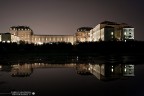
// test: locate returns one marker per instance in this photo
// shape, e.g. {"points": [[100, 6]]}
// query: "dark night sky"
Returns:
{"points": [[63, 17]]}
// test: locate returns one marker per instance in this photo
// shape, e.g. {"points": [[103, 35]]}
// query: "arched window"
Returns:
{"points": [[130, 29]]}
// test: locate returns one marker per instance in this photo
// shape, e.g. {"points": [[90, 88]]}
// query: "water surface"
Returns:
{"points": [[107, 79]]}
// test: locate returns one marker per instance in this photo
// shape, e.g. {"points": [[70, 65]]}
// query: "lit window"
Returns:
{"points": [[3, 41], [0, 66], [53, 39], [124, 33], [111, 69], [112, 33], [8, 41], [125, 69]]}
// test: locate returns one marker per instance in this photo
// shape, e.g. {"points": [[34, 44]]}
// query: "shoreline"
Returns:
{"points": [[65, 59]]}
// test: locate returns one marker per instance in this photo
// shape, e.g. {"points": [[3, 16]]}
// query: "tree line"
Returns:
{"points": [[81, 48]]}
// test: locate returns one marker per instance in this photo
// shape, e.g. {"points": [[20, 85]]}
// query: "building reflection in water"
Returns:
{"points": [[0, 67], [25, 70], [111, 72], [21, 70], [100, 71]]}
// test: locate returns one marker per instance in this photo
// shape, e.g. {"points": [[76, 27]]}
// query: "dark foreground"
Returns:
{"points": [[78, 49], [78, 70], [81, 78]]}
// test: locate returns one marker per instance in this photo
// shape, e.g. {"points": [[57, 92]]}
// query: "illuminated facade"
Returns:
{"points": [[26, 34], [109, 31], [105, 31], [40, 39], [83, 34], [7, 38]]}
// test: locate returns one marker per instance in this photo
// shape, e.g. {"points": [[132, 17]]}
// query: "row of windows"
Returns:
{"points": [[19, 29], [51, 39], [127, 30], [25, 36]]}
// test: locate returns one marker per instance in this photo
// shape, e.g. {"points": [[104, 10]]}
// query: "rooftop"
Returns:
{"points": [[82, 29], [109, 23], [20, 28]]}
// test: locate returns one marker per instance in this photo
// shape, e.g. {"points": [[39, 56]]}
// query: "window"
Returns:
{"points": [[53, 39], [42, 39], [124, 33], [112, 33], [124, 30], [129, 36]]}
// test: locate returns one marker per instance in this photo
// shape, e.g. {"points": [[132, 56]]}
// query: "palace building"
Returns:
{"points": [[26, 34], [107, 31], [104, 31], [83, 34]]}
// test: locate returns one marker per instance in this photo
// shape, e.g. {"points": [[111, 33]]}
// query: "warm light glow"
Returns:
{"points": [[112, 70], [39, 43], [8, 41], [77, 57], [3, 41], [124, 33], [0, 66], [125, 70]]}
